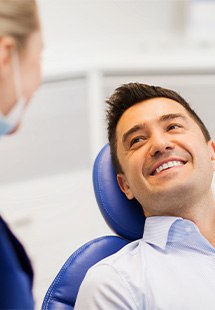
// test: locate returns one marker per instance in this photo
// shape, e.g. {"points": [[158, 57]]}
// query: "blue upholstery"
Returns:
{"points": [[123, 216], [63, 291]]}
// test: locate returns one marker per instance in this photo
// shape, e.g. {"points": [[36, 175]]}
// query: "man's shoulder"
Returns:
{"points": [[115, 280], [129, 254]]}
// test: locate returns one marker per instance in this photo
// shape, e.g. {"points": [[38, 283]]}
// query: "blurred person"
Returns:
{"points": [[165, 158], [20, 51]]}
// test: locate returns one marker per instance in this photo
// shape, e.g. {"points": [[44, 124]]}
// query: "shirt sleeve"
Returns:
{"points": [[103, 288]]}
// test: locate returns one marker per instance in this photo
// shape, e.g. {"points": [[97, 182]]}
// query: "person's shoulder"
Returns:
{"points": [[113, 281], [129, 254], [124, 264]]}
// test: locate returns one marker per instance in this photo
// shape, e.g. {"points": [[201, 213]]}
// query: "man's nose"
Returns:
{"points": [[160, 143]]}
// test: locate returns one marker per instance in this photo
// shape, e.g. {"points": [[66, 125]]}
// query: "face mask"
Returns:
{"points": [[9, 122]]}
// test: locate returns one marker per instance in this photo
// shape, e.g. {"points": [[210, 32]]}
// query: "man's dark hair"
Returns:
{"points": [[130, 94]]}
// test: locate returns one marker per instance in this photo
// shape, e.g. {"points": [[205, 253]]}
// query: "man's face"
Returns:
{"points": [[164, 156]]}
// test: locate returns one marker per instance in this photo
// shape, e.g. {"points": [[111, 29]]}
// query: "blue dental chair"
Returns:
{"points": [[125, 218]]}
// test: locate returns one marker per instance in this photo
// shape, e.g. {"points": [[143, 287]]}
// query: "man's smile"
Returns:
{"points": [[167, 165]]}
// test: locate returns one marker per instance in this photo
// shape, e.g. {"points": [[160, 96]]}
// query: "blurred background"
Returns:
{"points": [[92, 47]]}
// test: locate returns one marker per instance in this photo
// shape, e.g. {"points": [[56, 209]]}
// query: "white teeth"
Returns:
{"points": [[169, 165]]}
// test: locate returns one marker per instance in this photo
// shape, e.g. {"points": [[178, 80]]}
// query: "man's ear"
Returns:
{"points": [[124, 186], [211, 146]]}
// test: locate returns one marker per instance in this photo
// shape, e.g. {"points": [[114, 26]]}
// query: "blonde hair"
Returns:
{"points": [[18, 19]]}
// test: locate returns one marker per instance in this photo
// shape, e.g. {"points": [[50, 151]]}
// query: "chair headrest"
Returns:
{"points": [[124, 216]]}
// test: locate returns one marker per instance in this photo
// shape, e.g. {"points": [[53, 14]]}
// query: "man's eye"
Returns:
{"points": [[173, 126], [136, 140]]}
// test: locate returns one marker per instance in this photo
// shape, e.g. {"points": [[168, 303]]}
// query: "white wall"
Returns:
{"points": [[81, 30], [91, 23], [89, 27]]}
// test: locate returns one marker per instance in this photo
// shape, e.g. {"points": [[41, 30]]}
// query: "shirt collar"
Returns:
{"points": [[162, 229]]}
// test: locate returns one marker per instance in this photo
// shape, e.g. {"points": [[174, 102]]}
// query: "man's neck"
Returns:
{"points": [[199, 211], [205, 221], [203, 215]]}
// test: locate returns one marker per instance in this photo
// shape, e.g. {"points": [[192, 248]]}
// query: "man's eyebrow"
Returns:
{"points": [[171, 116], [131, 131], [138, 127]]}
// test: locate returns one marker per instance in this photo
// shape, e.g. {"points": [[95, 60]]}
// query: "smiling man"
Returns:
{"points": [[164, 157]]}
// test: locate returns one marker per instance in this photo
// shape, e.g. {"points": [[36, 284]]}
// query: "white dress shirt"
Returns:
{"points": [[171, 268]]}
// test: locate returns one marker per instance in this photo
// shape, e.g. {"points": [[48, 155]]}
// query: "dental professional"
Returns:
{"points": [[20, 51]]}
